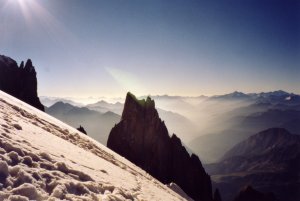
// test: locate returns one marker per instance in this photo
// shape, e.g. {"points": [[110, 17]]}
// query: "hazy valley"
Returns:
{"points": [[207, 125]]}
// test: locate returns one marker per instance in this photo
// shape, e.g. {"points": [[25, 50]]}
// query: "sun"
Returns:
{"points": [[21, 2]]}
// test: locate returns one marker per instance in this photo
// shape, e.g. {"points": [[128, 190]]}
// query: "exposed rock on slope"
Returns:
{"points": [[81, 129], [20, 82], [42, 158], [143, 138]]}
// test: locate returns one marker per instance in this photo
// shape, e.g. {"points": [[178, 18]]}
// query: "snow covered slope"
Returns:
{"points": [[42, 158]]}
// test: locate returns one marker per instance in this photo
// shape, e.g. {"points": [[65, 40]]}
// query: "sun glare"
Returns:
{"points": [[30, 9], [25, 7], [35, 15]]}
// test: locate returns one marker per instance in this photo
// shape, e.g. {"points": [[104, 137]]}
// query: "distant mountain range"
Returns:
{"points": [[176, 122], [241, 128], [96, 124], [103, 106], [255, 112], [49, 101], [269, 161], [279, 95], [210, 126]]}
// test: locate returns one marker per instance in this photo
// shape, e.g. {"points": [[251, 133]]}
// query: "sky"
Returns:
{"points": [[93, 48]]}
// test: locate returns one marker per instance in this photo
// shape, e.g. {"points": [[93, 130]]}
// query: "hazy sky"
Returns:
{"points": [[187, 47]]}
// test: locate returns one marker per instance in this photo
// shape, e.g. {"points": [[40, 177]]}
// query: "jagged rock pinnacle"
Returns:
{"points": [[143, 138], [20, 82]]}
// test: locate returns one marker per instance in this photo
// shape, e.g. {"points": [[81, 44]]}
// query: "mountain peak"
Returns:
{"points": [[61, 104], [7, 60], [142, 137], [264, 141], [20, 82], [135, 107], [148, 102], [236, 95], [102, 102]]}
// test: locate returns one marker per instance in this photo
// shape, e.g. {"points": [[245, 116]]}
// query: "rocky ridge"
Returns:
{"points": [[142, 137], [19, 81]]}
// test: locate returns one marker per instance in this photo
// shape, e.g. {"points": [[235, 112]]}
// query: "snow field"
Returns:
{"points": [[41, 158]]}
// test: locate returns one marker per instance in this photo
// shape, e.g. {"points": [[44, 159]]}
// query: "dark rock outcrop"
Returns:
{"points": [[20, 82], [217, 195], [81, 129], [143, 138], [250, 194]]}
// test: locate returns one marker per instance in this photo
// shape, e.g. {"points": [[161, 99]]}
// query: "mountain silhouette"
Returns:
{"points": [[19, 81], [142, 137]]}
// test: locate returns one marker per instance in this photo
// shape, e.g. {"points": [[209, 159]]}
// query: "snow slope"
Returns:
{"points": [[42, 158]]}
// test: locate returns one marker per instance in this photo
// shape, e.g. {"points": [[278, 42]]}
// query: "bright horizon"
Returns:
{"points": [[185, 48], [121, 99]]}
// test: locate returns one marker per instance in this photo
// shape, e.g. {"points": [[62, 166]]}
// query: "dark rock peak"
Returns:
{"points": [[4, 60], [81, 129], [22, 65], [29, 67], [142, 137], [217, 195], [20, 82], [134, 107], [175, 139], [250, 194], [195, 160]]}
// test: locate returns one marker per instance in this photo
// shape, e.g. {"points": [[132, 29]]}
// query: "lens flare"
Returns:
{"points": [[25, 8], [36, 17]]}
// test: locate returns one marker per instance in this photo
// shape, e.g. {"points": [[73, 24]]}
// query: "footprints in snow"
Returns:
{"points": [[38, 176]]}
